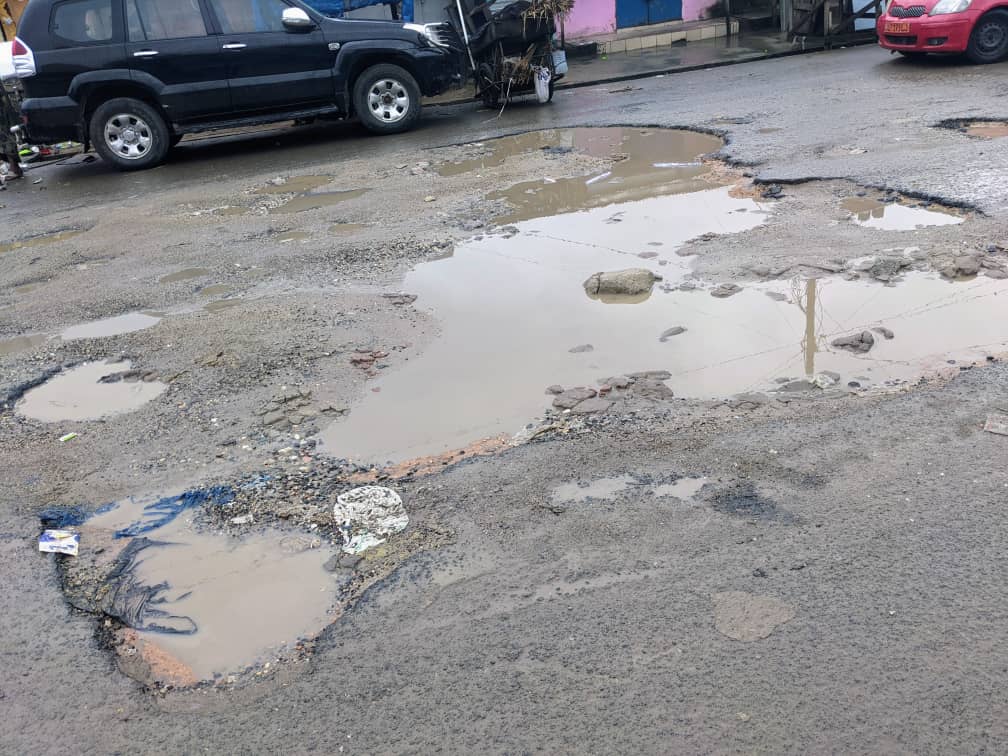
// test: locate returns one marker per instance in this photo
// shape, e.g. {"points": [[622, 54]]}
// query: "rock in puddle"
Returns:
{"points": [[630, 281], [669, 333], [722, 291], [858, 342], [572, 397]]}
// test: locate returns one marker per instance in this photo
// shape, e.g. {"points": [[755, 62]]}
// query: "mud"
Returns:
{"points": [[684, 488], [41, 240], [78, 394], [895, 216], [988, 129], [223, 304], [96, 329], [21, 343], [292, 236], [295, 184], [216, 290]]}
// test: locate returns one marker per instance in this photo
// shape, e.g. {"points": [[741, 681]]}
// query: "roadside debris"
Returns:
{"points": [[59, 542], [669, 333], [367, 514], [997, 424], [68, 437], [627, 282]]}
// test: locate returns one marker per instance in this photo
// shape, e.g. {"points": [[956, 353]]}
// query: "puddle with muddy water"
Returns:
{"points": [[185, 274], [892, 216], [988, 129], [684, 488], [603, 488], [295, 185], [316, 201], [36, 241], [229, 602], [642, 163], [222, 304], [292, 236], [79, 394], [96, 329], [21, 343]]}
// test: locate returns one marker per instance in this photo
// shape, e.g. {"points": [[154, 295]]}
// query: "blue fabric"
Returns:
{"points": [[167, 508]]}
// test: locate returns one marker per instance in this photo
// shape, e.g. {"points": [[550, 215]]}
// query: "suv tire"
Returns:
{"points": [[988, 42], [386, 99], [130, 134]]}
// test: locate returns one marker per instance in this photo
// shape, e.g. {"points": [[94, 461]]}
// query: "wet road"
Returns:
{"points": [[837, 586]]}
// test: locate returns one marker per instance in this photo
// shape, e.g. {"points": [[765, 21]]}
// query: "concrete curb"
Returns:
{"points": [[673, 70]]}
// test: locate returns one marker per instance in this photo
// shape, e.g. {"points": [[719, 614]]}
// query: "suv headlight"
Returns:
{"points": [[427, 31], [949, 6]]}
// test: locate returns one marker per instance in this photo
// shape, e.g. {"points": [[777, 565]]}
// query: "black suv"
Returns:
{"points": [[130, 77]]}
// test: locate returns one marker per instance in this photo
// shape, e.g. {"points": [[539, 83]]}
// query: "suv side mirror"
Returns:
{"points": [[296, 19]]}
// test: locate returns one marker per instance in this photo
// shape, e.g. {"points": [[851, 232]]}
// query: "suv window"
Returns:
{"points": [[246, 16], [83, 21], [164, 19]]}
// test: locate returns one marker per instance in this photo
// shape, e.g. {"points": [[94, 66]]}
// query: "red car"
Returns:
{"points": [[978, 28]]}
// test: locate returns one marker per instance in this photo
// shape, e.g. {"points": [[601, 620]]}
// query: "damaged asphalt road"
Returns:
{"points": [[744, 544]]}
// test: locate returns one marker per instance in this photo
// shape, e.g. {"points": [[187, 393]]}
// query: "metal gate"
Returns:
{"points": [[642, 12]]}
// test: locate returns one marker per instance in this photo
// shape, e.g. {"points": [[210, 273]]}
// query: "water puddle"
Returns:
{"points": [[36, 241], [892, 216], [295, 185], [222, 304], [80, 394], [292, 236], [21, 343], [96, 329], [644, 163], [684, 488], [185, 274], [317, 200], [515, 319], [214, 602], [216, 290], [988, 129], [578, 491], [346, 229]]}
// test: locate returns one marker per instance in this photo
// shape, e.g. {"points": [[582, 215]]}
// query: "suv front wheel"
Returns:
{"points": [[130, 134], [386, 99]]}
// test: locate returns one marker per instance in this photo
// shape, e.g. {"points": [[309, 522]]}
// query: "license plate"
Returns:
{"points": [[894, 28]]}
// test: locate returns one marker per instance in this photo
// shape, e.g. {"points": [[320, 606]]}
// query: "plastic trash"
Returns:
{"points": [[68, 437], [59, 542], [542, 82], [366, 515], [167, 508], [560, 62]]}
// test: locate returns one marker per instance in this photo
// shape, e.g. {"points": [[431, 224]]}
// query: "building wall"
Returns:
{"points": [[594, 17]]}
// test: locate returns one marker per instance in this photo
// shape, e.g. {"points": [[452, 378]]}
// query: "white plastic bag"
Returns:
{"points": [[542, 82]]}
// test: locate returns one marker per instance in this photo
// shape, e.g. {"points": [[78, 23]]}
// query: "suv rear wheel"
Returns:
{"points": [[130, 134], [386, 99]]}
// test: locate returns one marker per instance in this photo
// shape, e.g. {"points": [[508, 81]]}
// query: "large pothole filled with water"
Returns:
{"points": [[515, 317]]}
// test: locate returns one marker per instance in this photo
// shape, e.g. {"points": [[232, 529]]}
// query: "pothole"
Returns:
{"points": [[292, 236], [185, 274], [293, 185], [36, 241], [21, 343], [114, 326], [210, 604], [988, 129], [896, 216], [316, 201], [90, 391]]}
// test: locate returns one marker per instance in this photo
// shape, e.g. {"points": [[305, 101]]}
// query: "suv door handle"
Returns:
{"points": [[145, 53], [235, 46]]}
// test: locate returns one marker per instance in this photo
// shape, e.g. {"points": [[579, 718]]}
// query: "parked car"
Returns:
{"points": [[130, 77], [915, 28]]}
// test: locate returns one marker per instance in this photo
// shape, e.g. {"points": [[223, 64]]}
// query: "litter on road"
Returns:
{"points": [[59, 542]]}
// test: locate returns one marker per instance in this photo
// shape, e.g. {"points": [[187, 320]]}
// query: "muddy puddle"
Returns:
{"points": [[292, 236], [515, 319], [294, 185], [115, 326], [604, 488], [988, 129], [222, 304], [216, 290], [894, 216], [186, 274], [90, 391], [21, 343], [37, 241], [215, 603], [684, 488], [317, 200], [641, 163]]}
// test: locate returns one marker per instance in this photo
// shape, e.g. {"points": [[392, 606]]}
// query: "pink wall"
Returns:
{"points": [[591, 17]]}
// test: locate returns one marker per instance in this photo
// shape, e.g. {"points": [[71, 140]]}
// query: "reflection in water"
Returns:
{"points": [[892, 216]]}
